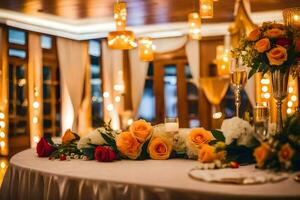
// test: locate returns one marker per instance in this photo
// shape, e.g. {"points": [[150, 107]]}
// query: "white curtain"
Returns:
{"points": [[193, 55], [139, 68], [73, 60], [112, 75]]}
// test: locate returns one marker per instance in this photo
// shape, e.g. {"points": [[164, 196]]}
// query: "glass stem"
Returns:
{"points": [[237, 99], [279, 125]]}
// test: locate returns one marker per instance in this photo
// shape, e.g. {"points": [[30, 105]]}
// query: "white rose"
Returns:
{"points": [[93, 137]]}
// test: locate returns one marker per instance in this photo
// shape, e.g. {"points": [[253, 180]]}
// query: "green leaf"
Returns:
{"points": [[218, 135], [89, 152], [252, 72], [109, 140]]}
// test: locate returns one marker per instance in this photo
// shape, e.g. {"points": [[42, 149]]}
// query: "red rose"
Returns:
{"points": [[43, 148], [105, 154], [283, 42]]}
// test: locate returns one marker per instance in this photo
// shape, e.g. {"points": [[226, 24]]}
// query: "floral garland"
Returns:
{"points": [[143, 141], [269, 47]]}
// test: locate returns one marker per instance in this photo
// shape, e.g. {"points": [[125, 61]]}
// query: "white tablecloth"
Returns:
{"points": [[33, 178]]}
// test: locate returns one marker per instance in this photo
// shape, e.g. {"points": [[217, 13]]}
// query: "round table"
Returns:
{"points": [[30, 177]]}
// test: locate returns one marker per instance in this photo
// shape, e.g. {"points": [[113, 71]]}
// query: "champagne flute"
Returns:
{"points": [[238, 75], [261, 121]]}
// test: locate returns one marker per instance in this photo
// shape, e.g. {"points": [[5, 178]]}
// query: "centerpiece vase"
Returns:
{"points": [[279, 86]]}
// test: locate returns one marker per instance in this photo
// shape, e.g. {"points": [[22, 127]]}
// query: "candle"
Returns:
{"points": [[172, 126]]}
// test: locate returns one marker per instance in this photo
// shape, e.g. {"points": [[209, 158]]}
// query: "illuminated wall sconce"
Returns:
{"points": [[194, 22], [146, 49], [291, 17], [206, 9]]}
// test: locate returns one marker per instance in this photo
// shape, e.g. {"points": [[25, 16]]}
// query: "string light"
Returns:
{"points": [[3, 165], [35, 104], [117, 99], [129, 121], [2, 115], [105, 94], [35, 119], [2, 124], [2, 134], [194, 22], [206, 9], [2, 144], [110, 107], [222, 58], [35, 139]]}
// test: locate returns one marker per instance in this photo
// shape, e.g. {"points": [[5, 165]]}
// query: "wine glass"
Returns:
{"points": [[238, 75], [261, 121], [171, 125]]}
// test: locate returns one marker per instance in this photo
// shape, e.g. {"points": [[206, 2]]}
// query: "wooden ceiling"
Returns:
{"points": [[139, 11]]}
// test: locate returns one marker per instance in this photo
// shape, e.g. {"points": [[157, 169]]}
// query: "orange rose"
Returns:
{"points": [[68, 137], [128, 145], [207, 154], [262, 45], [141, 129], [261, 153], [286, 153], [254, 35], [274, 33], [199, 136], [160, 148], [277, 55], [297, 45]]}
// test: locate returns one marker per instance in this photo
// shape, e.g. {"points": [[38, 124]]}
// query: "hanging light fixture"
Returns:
{"points": [[194, 26], [146, 49], [121, 38], [206, 9]]}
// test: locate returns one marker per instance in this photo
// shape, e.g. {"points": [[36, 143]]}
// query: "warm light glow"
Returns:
{"points": [[35, 119], [206, 9], [289, 111], [294, 98], [146, 48], [2, 124], [110, 107], [2, 134], [120, 15], [223, 57], [291, 17], [36, 139], [121, 40], [264, 88], [194, 26], [217, 115], [290, 104], [3, 165], [2, 115], [117, 99], [35, 104], [105, 94], [267, 95], [291, 89], [129, 122], [2, 144], [119, 87]]}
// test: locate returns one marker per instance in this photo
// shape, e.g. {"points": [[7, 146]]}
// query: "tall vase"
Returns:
{"points": [[279, 85]]}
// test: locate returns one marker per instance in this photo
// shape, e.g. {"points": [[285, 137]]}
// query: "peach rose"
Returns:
{"points": [[68, 137], [262, 45], [207, 154], [261, 153], [128, 145], [254, 35], [274, 33], [200, 136], [277, 55], [286, 153], [297, 45], [160, 148], [141, 129]]}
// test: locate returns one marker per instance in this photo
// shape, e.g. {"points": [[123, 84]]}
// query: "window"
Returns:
{"points": [[96, 82], [51, 88], [18, 86], [177, 98]]}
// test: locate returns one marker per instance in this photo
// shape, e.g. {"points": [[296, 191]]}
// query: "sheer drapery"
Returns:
{"points": [[112, 76], [35, 84], [73, 61], [139, 68], [139, 72]]}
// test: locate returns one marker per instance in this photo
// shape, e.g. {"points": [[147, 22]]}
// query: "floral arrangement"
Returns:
{"points": [[144, 141], [269, 47], [281, 151]]}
